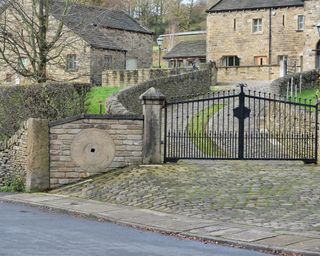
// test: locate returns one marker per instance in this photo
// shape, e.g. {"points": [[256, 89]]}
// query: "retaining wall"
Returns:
{"points": [[308, 79], [184, 86], [242, 73], [126, 78]]}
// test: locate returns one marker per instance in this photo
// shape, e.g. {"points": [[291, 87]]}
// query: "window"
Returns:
{"points": [[234, 24], [283, 20], [260, 60], [107, 62], [257, 25], [23, 62], [72, 62], [172, 64], [301, 63], [231, 61], [8, 77], [300, 22]]}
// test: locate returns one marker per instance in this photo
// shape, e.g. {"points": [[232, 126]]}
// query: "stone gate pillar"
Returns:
{"points": [[38, 176], [152, 101]]}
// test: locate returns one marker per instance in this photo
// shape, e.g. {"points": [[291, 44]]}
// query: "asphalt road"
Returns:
{"points": [[29, 231]]}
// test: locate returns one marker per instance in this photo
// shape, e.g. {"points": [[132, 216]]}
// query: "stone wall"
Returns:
{"points": [[13, 155], [291, 122], [119, 78], [241, 73], [184, 86], [312, 13], [225, 40], [138, 45], [88, 145], [307, 80], [98, 64], [293, 114]]}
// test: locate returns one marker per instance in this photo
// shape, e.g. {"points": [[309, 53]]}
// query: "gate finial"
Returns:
{"points": [[242, 85]]}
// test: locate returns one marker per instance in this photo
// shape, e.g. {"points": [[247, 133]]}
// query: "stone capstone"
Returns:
{"points": [[93, 150]]}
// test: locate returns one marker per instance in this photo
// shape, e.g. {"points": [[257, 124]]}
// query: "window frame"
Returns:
{"points": [[8, 78], [257, 28], [107, 62], [74, 62], [263, 60], [226, 61], [23, 62], [301, 23]]}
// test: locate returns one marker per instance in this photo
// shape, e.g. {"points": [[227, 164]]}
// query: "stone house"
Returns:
{"points": [[187, 52], [102, 39], [171, 40], [255, 39]]}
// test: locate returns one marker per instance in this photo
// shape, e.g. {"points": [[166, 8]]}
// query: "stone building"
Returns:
{"points": [[171, 40], [102, 39], [185, 53], [263, 39]]}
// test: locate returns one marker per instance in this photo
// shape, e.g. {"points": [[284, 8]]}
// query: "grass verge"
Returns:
{"points": [[96, 95], [309, 94], [199, 124]]}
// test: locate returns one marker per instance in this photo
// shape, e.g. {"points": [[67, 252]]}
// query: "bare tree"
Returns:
{"points": [[30, 38]]}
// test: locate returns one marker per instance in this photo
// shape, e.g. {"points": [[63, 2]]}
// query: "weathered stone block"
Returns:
{"points": [[37, 166]]}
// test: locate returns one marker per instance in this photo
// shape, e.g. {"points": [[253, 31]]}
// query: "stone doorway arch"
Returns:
{"points": [[318, 56]]}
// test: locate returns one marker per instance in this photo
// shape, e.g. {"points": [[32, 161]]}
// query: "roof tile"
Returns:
{"points": [[234, 5]]}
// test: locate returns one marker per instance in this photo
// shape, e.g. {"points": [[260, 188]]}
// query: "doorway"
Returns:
{"points": [[318, 56], [132, 64], [283, 62]]}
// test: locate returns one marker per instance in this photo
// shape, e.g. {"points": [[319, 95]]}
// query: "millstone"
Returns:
{"points": [[93, 150]]}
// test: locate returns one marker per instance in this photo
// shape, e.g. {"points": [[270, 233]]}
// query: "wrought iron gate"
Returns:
{"points": [[238, 125]]}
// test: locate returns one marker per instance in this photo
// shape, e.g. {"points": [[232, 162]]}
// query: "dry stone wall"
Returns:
{"points": [[302, 119], [119, 78], [88, 145], [308, 79], [13, 155], [182, 86]]}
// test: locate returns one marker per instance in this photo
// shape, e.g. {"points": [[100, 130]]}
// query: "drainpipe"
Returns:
{"points": [[270, 36]]}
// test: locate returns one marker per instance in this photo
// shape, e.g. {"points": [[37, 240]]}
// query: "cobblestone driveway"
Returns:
{"points": [[278, 195]]}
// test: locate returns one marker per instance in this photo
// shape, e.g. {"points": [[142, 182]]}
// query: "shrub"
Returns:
{"points": [[51, 101], [13, 184]]}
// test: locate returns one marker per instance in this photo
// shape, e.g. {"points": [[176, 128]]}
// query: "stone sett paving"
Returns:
{"points": [[277, 195]]}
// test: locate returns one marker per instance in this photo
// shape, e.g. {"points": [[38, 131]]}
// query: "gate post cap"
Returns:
{"points": [[152, 94]]}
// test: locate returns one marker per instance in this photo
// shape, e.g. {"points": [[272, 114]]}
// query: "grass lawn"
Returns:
{"points": [[199, 124], [97, 94], [309, 94]]}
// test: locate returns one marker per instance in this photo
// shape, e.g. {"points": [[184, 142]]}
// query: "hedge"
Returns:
{"points": [[51, 101]]}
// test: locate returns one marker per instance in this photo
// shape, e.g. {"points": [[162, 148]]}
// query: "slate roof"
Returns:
{"points": [[236, 5], [88, 21], [107, 18], [187, 49]]}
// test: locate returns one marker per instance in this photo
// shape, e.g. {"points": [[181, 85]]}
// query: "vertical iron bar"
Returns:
{"points": [[316, 132], [172, 139], [182, 145], [165, 133], [241, 123]]}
